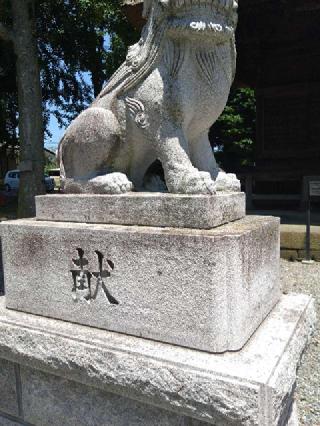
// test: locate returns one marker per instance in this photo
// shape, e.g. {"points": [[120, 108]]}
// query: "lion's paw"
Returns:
{"points": [[227, 182], [192, 182], [113, 183]]}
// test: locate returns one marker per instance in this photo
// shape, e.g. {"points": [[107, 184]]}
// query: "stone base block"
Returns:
{"points": [[145, 209], [208, 290], [69, 374]]}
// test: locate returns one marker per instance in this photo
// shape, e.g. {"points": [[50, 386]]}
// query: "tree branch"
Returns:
{"points": [[5, 33]]}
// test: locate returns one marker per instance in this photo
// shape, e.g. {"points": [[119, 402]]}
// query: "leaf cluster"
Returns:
{"points": [[81, 43], [233, 135]]}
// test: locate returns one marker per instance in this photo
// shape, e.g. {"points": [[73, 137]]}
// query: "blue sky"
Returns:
{"points": [[57, 133], [55, 130]]}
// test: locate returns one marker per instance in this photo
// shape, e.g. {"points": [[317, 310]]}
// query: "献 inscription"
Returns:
{"points": [[87, 283]]}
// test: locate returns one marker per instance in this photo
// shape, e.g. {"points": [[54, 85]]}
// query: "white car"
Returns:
{"points": [[12, 180]]}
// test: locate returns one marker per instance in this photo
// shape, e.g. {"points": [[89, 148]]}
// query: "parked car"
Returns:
{"points": [[55, 174], [12, 180]]}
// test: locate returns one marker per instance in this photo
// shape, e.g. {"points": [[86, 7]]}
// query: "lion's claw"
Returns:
{"points": [[227, 182], [192, 182]]}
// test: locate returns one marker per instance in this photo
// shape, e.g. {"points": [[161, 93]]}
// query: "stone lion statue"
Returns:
{"points": [[159, 105]]}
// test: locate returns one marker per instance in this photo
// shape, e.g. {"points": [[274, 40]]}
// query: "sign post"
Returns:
{"points": [[313, 191]]}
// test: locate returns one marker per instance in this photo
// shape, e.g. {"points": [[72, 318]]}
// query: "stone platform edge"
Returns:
{"points": [[249, 387], [143, 209]]}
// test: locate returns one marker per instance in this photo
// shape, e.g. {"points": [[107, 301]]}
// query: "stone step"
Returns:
{"points": [[69, 374]]}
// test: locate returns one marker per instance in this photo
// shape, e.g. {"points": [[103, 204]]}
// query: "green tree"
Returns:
{"points": [[67, 39], [233, 135], [72, 41], [17, 28]]}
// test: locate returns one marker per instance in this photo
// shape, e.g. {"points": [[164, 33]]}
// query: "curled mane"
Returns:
{"points": [[142, 56]]}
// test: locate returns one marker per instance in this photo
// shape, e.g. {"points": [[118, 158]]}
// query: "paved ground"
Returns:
{"points": [[298, 277]]}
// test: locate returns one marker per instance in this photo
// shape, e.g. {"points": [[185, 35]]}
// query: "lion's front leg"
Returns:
{"points": [[201, 154], [203, 158], [180, 175]]}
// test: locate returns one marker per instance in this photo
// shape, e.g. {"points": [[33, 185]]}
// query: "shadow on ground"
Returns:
{"points": [[8, 205]]}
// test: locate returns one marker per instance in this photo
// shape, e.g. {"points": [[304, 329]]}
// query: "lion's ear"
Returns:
{"points": [[146, 8]]}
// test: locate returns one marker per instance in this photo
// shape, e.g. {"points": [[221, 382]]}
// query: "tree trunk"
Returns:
{"points": [[30, 106]]}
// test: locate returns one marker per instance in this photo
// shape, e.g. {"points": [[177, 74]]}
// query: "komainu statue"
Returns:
{"points": [[159, 105]]}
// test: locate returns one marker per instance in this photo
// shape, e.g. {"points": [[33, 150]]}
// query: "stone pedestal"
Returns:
{"points": [[143, 208], [187, 323], [56, 373], [205, 289]]}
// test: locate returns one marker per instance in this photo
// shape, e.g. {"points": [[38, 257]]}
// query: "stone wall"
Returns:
{"points": [[31, 397], [57, 373], [293, 240]]}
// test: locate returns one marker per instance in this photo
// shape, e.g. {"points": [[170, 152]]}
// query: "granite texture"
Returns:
{"points": [[8, 394], [54, 401], [299, 277], [294, 417], [6, 421], [1, 271], [208, 290], [159, 106], [146, 209], [251, 387]]}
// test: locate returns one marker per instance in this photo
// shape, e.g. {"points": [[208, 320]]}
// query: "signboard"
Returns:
{"points": [[313, 183], [314, 188]]}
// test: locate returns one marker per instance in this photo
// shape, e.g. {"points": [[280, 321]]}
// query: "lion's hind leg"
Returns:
{"points": [[86, 154], [109, 183]]}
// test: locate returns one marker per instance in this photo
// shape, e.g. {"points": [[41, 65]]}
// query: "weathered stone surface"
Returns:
{"points": [[208, 290], [294, 416], [8, 394], [52, 401], [159, 105], [147, 209], [250, 387], [1, 271], [6, 421]]}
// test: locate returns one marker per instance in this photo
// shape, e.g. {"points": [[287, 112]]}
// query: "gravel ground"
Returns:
{"points": [[297, 277]]}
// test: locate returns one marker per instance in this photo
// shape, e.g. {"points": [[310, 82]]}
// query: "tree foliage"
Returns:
{"points": [[8, 91], [8, 119], [81, 43], [68, 39], [233, 135], [79, 38]]}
